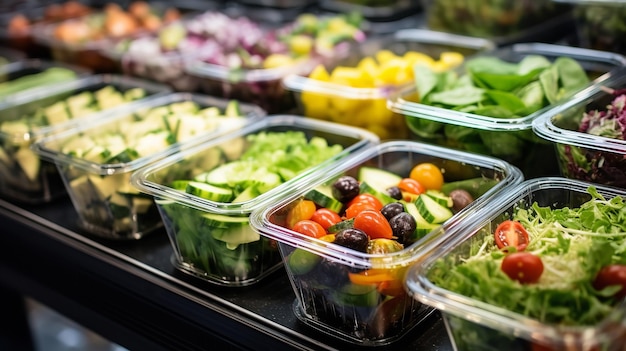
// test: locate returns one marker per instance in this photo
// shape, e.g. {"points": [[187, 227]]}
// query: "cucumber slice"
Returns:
{"points": [[248, 194], [227, 174], [209, 192], [423, 227], [440, 198], [322, 196], [431, 210], [366, 188], [378, 179], [345, 224], [225, 221]]}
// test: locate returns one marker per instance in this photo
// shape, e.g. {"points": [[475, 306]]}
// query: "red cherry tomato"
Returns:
{"points": [[522, 266], [357, 208], [411, 185], [374, 224], [511, 233], [369, 198], [611, 275], [325, 217], [309, 228]]}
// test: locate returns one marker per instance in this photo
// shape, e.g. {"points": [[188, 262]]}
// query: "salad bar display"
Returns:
{"points": [[307, 175]]}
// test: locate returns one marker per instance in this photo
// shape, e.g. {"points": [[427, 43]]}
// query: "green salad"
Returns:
{"points": [[564, 266]]}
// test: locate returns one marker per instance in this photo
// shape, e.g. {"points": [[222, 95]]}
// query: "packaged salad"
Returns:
{"points": [[589, 133], [541, 268]]}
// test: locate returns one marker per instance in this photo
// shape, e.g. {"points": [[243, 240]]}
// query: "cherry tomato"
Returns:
{"points": [[411, 185], [369, 198], [374, 224], [357, 208], [522, 266], [614, 274], [302, 210], [428, 175], [309, 228], [325, 217], [511, 233]]}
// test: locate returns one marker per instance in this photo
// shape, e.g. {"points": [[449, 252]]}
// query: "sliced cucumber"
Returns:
{"points": [[345, 224], [248, 194], [209, 192], [423, 227], [431, 210], [227, 174], [366, 188], [322, 196], [225, 221], [440, 197], [378, 179]]}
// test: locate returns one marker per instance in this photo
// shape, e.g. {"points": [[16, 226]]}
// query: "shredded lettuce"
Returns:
{"points": [[573, 243]]}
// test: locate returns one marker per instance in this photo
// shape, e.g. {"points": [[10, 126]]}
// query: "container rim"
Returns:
{"points": [[35, 94], [399, 104], [251, 112], [139, 179], [261, 223], [466, 308]]}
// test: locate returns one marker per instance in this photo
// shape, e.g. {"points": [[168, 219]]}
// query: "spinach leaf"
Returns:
{"points": [[571, 74], [459, 96], [507, 101], [425, 78], [533, 97], [549, 80]]}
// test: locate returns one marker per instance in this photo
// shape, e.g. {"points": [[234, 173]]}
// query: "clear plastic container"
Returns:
{"points": [[26, 118], [510, 139], [355, 295], [211, 236], [504, 22], [336, 100], [474, 324], [82, 40], [292, 48], [584, 156], [96, 160], [599, 24], [50, 73]]}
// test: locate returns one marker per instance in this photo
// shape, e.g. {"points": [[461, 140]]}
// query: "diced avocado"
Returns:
{"points": [[29, 162], [184, 107], [157, 112], [79, 101], [210, 112], [134, 94], [232, 109], [57, 113]]}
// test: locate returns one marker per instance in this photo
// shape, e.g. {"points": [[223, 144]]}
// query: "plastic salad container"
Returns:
{"points": [[600, 24], [589, 133], [461, 116], [96, 160], [354, 89], [82, 40], [16, 25], [503, 21], [253, 69], [351, 287], [33, 115], [563, 296], [206, 194], [32, 74]]}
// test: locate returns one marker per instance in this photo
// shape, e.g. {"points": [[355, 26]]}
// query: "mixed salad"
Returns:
{"points": [[597, 166], [560, 266], [376, 214]]}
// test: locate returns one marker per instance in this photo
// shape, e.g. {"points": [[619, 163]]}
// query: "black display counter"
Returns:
{"points": [[131, 294]]}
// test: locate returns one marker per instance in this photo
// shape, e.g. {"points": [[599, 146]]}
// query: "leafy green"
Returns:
{"points": [[573, 244]]}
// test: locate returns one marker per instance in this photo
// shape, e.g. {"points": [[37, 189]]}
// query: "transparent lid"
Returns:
{"points": [[554, 192], [154, 179], [616, 3], [560, 125], [391, 155], [424, 41], [596, 63], [29, 102], [120, 121]]}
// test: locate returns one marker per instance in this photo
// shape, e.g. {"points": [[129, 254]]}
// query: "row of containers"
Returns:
{"points": [[497, 198]]}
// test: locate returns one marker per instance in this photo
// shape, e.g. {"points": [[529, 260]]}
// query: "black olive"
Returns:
{"points": [[331, 273], [403, 226], [460, 199], [352, 238], [345, 188], [395, 192], [390, 210]]}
